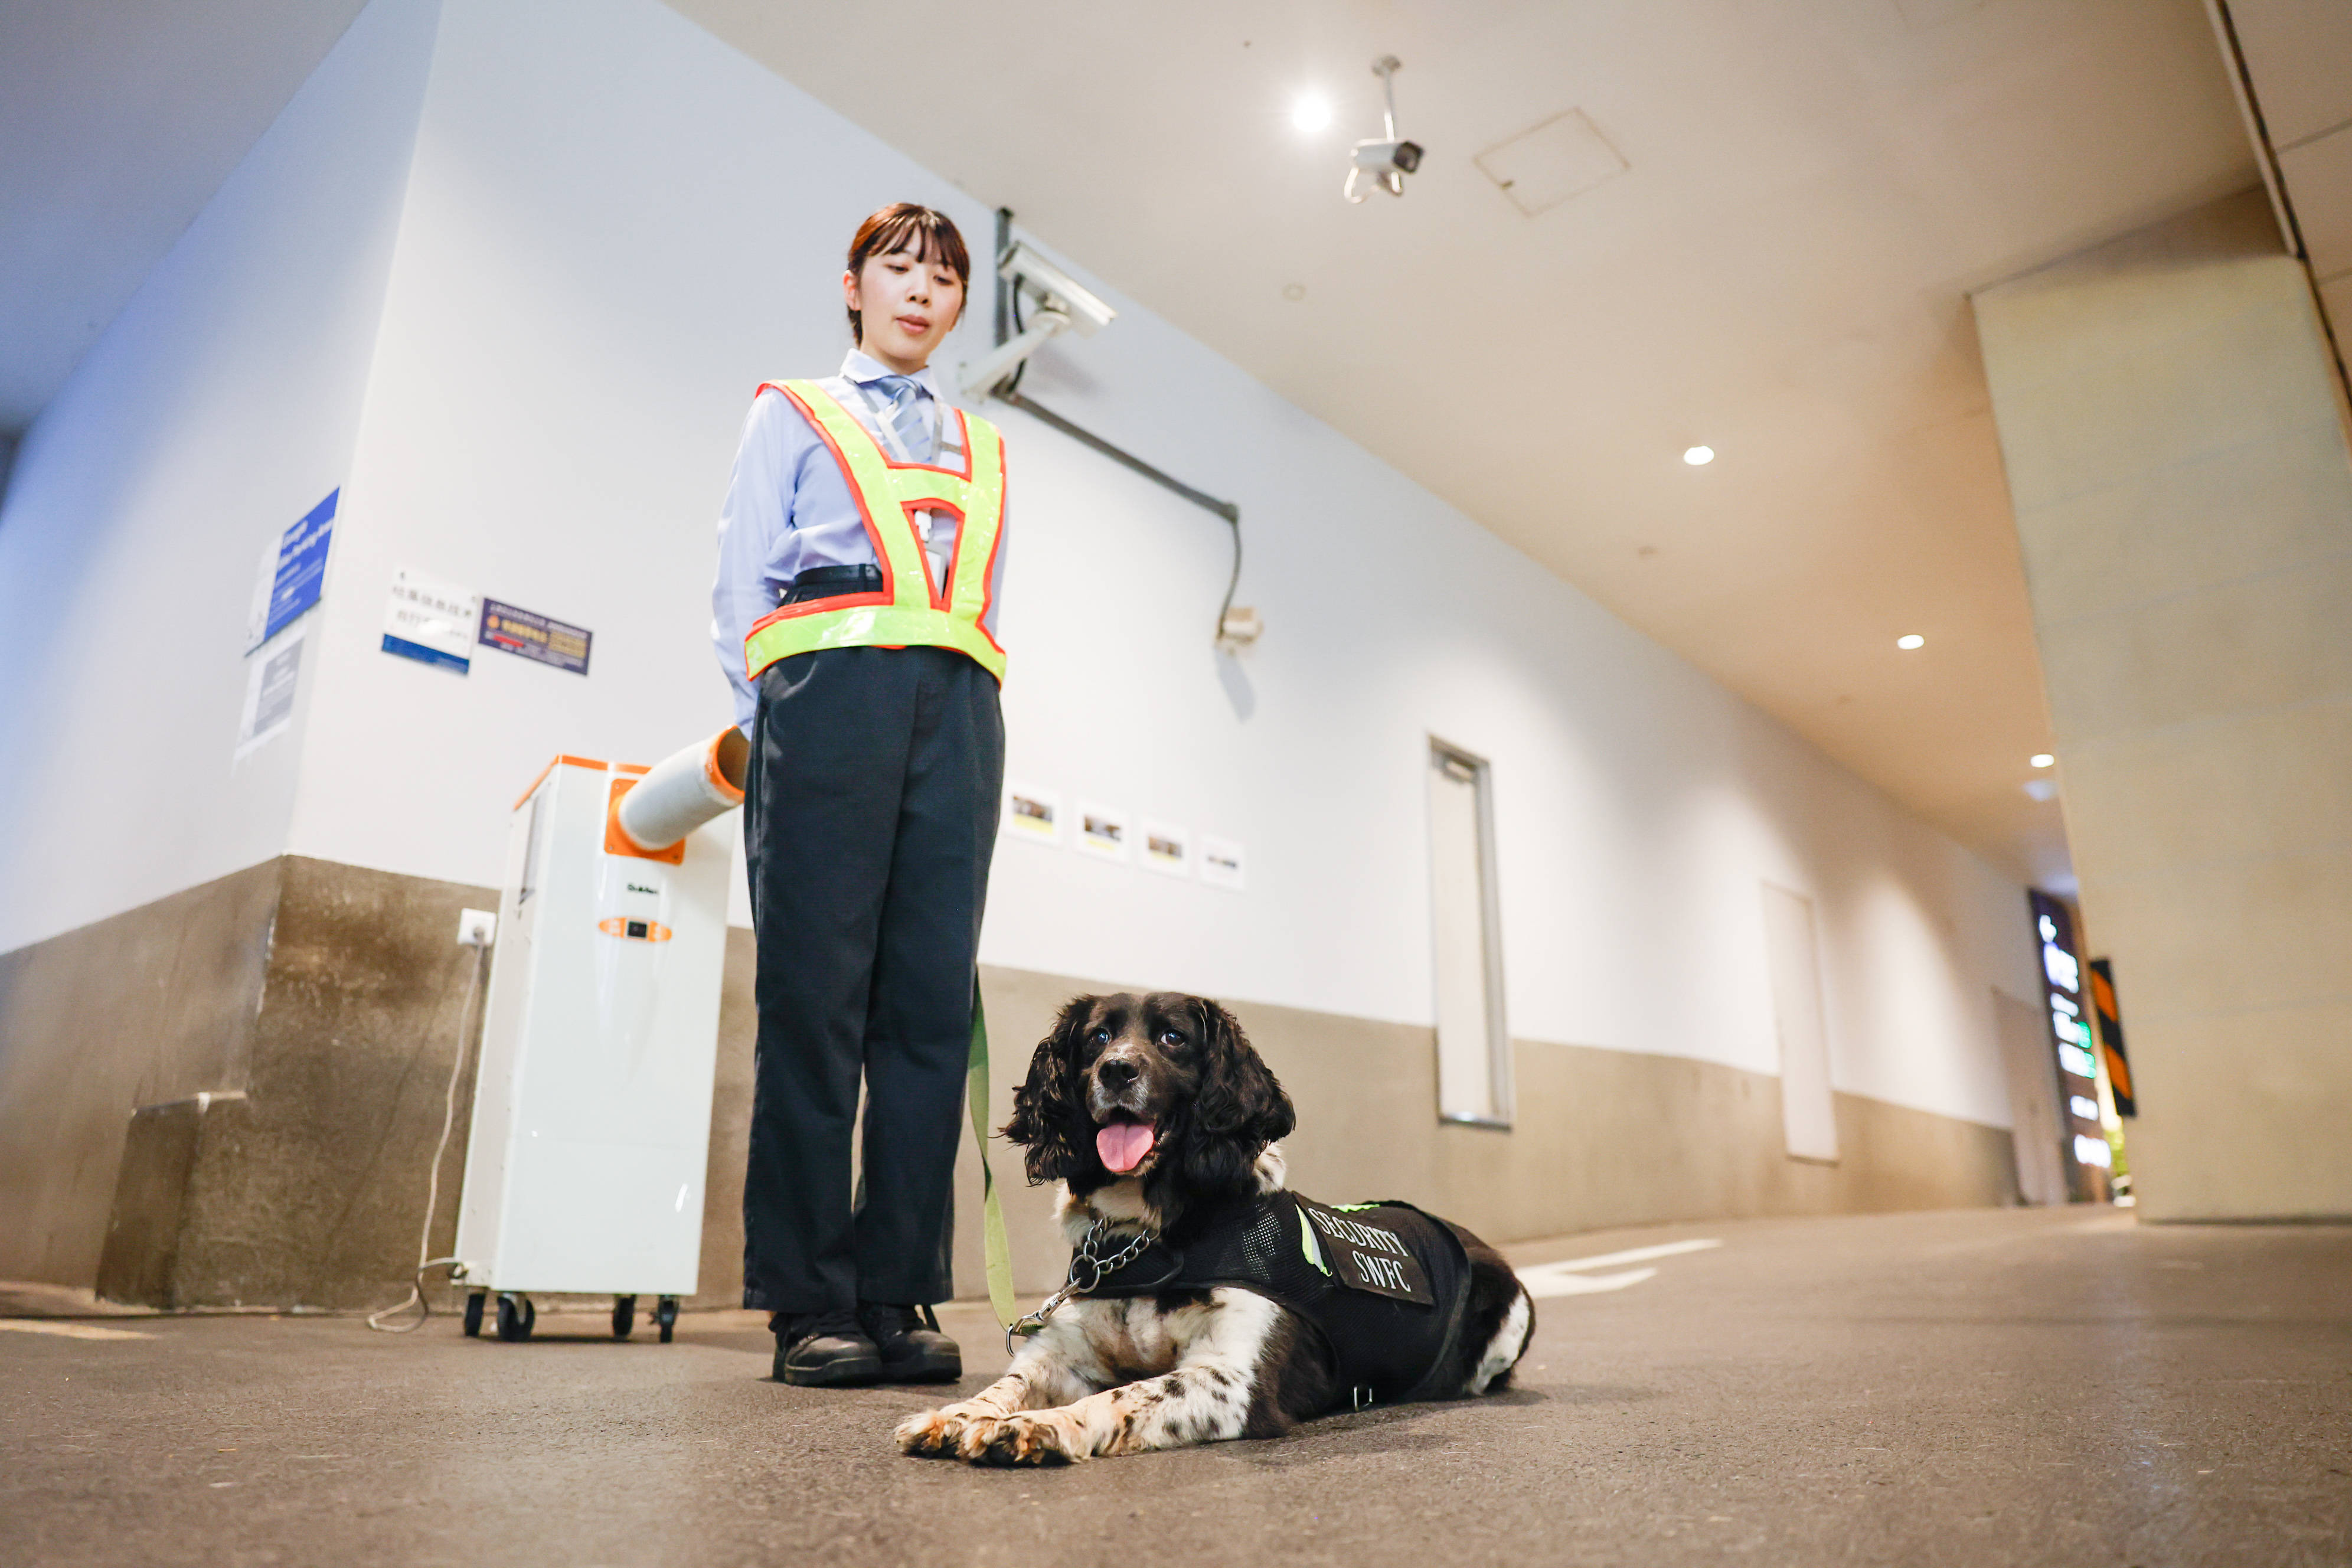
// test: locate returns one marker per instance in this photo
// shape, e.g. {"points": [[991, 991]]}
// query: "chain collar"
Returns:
{"points": [[1088, 1267]]}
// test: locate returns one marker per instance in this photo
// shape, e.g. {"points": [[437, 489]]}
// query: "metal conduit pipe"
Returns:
{"points": [[1233, 629]]}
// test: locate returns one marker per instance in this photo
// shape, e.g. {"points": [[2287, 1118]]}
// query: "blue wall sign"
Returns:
{"points": [[301, 575]]}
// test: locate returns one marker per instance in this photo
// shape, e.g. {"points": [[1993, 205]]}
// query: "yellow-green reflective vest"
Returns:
{"points": [[909, 611]]}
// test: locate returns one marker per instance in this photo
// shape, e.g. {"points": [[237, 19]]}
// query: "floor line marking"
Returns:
{"points": [[68, 1331], [1542, 1287], [1609, 1259]]}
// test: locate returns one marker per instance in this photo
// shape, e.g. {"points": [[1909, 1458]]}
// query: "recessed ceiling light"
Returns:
{"points": [[1913, 640], [1311, 113], [2042, 759], [1698, 457]]}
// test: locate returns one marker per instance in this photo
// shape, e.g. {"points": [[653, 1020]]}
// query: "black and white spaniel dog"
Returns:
{"points": [[1161, 1121]]}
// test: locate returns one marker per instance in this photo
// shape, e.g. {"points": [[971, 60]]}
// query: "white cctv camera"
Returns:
{"points": [[1388, 163], [1060, 303], [1055, 290], [1383, 162]]}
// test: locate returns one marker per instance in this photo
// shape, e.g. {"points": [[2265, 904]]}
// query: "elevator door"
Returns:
{"points": [[1808, 1111]]}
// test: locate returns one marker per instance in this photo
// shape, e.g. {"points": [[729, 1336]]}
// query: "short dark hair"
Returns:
{"points": [[904, 225]]}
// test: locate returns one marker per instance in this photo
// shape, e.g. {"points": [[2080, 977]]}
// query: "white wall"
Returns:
{"points": [[615, 226], [218, 408]]}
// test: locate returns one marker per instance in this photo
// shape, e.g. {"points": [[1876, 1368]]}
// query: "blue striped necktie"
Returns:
{"points": [[906, 417]]}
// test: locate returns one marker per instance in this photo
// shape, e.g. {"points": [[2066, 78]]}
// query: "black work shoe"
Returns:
{"points": [[823, 1350], [913, 1349]]}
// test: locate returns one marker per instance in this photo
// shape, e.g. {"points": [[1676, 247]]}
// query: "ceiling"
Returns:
{"points": [[121, 118], [1812, 188], [2294, 55]]}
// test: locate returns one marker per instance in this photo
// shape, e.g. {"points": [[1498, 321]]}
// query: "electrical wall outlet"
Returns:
{"points": [[476, 928]]}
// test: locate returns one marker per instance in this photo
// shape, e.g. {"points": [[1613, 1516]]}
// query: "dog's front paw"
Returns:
{"points": [[932, 1432], [1024, 1440]]}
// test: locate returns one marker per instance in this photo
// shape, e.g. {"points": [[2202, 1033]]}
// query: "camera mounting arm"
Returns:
{"points": [[980, 376], [1064, 304], [1383, 165]]}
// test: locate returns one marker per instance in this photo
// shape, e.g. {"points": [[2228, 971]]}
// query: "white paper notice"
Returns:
{"points": [[1221, 864], [264, 578], [269, 681], [431, 621], [1033, 814], [1106, 831], [1167, 848]]}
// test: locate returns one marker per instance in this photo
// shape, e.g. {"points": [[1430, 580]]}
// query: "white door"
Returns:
{"points": [[2034, 1128], [1473, 1050], [1807, 1111]]}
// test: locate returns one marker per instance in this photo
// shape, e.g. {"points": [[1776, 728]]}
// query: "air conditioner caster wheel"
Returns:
{"points": [[516, 1316], [473, 1300], [665, 1316], [625, 1316]]}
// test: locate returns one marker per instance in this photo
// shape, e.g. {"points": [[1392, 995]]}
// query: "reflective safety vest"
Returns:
{"points": [[910, 610]]}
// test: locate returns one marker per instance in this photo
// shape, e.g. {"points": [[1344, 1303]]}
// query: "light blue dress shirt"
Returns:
{"points": [[789, 509]]}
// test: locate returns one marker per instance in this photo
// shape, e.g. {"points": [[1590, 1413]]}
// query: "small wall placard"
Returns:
{"points": [[1167, 848], [431, 621], [1033, 814], [1222, 864], [529, 635], [1106, 831]]}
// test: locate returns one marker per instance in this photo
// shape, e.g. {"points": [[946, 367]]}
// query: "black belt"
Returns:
{"points": [[832, 582]]}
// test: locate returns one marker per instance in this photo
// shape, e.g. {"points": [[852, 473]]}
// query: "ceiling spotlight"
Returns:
{"points": [[1913, 640], [1698, 457], [1384, 164], [2042, 759], [1311, 113]]}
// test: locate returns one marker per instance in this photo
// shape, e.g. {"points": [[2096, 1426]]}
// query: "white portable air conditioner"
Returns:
{"points": [[592, 1104]]}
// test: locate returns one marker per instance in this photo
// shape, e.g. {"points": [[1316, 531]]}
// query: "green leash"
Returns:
{"points": [[992, 1211]]}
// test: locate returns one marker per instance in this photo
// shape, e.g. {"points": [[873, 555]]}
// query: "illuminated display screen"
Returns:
{"points": [[2066, 988]]}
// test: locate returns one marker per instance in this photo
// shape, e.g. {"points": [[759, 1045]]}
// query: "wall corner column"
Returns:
{"points": [[2167, 418]]}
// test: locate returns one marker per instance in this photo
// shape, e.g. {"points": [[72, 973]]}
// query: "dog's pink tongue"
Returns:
{"points": [[1123, 1145]]}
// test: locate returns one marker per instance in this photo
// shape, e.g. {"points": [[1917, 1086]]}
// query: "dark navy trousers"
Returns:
{"points": [[869, 818]]}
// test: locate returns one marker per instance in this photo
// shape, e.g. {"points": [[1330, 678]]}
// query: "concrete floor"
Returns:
{"points": [[1974, 1387]]}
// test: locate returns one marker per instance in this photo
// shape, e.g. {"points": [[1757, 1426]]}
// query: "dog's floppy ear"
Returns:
{"points": [[1239, 1109], [1045, 1109]]}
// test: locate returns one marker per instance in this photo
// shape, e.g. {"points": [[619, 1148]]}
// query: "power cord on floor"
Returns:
{"points": [[376, 1320]]}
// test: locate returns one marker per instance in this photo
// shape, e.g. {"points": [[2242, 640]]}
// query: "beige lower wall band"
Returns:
{"points": [[329, 996]]}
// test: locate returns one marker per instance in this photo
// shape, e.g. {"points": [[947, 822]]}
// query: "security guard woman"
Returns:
{"points": [[860, 555]]}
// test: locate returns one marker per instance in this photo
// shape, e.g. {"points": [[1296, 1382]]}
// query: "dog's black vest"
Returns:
{"points": [[1383, 1283]]}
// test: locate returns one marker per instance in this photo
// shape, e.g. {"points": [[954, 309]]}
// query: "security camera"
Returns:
{"points": [[1383, 162], [1055, 290], [1060, 303], [1388, 158]]}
